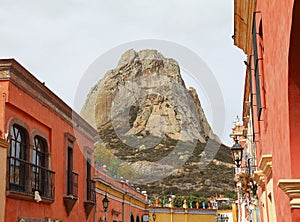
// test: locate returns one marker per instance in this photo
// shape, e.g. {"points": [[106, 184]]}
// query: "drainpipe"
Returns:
{"points": [[123, 206], [95, 207], [124, 186], [4, 115], [4, 145]]}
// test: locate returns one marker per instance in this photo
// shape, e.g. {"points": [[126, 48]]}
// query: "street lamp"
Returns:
{"points": [[154, 216], [237, 153], [105, 203]]}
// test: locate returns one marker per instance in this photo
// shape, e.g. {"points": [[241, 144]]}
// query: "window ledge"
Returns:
{"points": [[259, 178], [265, 164], [291, 187], [70, 196], [69, 201], [90, 202], [27, 196], [88, 206]]}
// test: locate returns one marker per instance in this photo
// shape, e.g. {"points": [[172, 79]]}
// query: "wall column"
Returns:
{"points": [[3, 158]]}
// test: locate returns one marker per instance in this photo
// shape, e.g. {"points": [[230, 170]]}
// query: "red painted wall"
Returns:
{"points": [[294, 97], [276, 23], [280, 121], [294, 92], [19, 105]]}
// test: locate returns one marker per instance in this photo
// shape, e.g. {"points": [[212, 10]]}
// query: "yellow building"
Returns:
{"points": [[227, 215], [125, 204], [166, 214]]}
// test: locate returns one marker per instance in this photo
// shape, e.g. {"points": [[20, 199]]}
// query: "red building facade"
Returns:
{"points": [[268, 32], [48, 172], [46, 159]]}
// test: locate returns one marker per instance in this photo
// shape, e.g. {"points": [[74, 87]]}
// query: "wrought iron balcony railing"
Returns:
{"points": [[72, 184], [91, 195], [27, 177]]}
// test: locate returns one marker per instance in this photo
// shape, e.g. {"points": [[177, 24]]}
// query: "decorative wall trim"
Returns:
{"points": [[107, 184], [259, 178], [291, 187], [167, 210], [295, 203], [27, 197], [121, 200], [4, 144], [14, 72], [265, 164]]}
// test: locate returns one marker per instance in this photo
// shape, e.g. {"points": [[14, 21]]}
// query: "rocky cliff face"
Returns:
{"points": [[151, 87], [144, 112]]}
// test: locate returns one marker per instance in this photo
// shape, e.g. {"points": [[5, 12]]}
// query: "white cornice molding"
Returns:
{"points": [[295, 203], [265, 164], [3, 143], [259, 178], [291, 187]]}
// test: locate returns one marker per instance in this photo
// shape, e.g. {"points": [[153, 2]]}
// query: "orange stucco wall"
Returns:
{"points": [[3, 154], [38, 118], [29, 103]]}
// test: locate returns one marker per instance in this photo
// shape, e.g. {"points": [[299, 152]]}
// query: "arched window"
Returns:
{"points": [[28, 168], [39, 151], [131, 218], [137, 219], [39, 164], [17, 158]]}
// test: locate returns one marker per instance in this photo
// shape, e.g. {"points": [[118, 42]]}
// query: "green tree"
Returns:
{"points": [[116, 167], [178, 201]]}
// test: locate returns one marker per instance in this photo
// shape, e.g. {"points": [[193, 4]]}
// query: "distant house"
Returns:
{"points": [[169, 214], [126, 203]]}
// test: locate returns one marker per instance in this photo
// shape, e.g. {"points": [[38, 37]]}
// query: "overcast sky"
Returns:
{"points": [[58, 40]]}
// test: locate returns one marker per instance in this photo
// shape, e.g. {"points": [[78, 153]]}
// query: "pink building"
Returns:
{"points": [[269, 32]]}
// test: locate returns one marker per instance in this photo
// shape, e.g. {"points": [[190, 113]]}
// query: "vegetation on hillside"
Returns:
{"points": [[115, 167], [216, 177]]}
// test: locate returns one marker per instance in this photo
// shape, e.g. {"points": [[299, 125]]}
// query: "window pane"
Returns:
{"points": [[18, 150], [18, 142], [38, 155], [17, 158], [34, 157], [12, 148], [39, 178]]}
